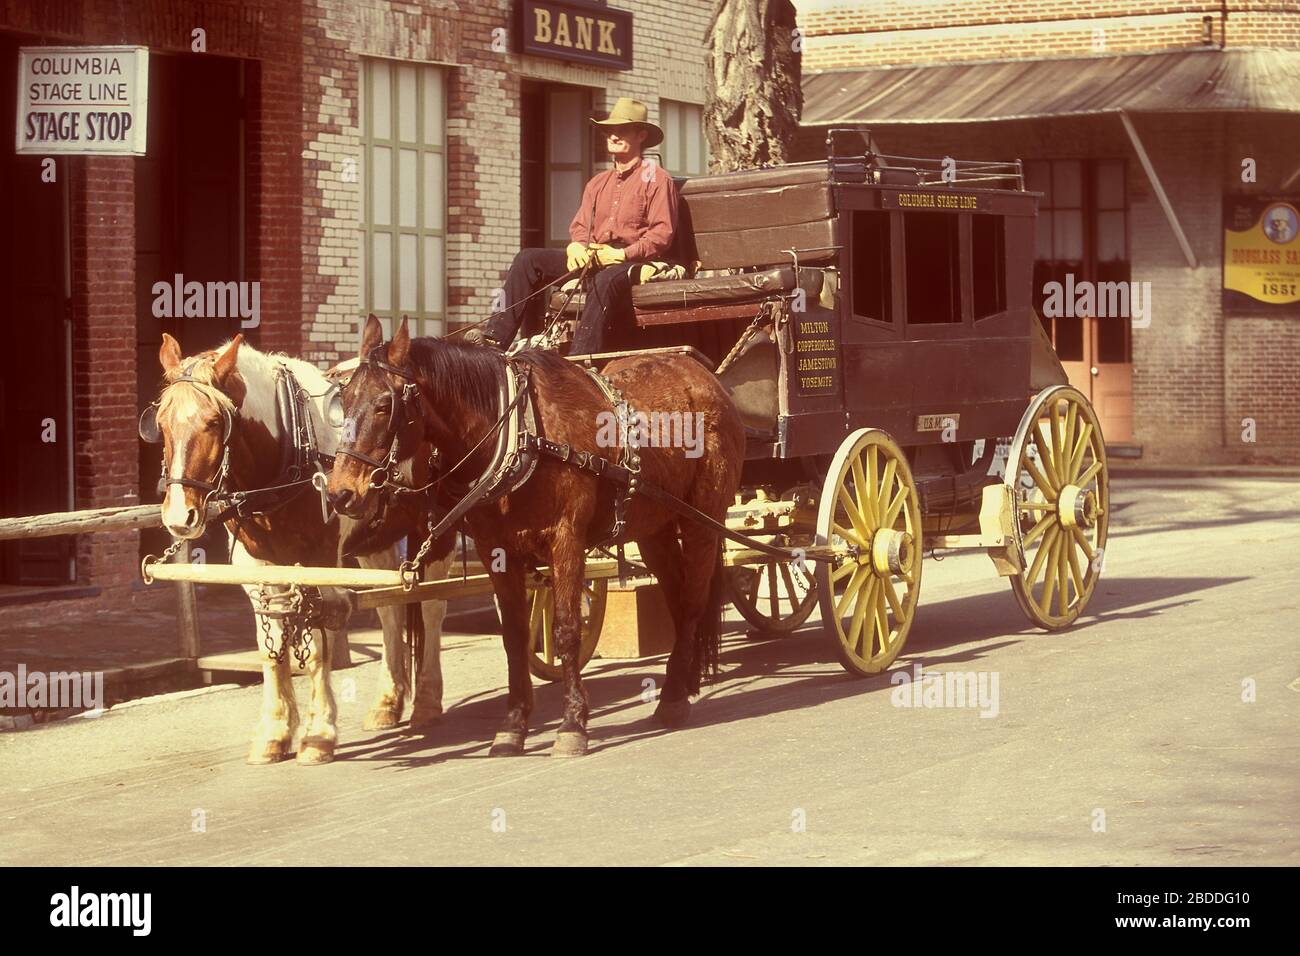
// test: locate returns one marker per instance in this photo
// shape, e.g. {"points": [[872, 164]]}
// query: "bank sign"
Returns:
{"points": [[1261, 252], [77, 99], [577, 32]]}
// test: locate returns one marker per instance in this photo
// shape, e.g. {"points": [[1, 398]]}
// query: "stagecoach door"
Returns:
{"points": [[1082, 237], [35, 390]]}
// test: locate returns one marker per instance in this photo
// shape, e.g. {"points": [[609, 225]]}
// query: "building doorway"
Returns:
{"points": [[189, 219], [556, 160], [35, 379], [1082, 236]]}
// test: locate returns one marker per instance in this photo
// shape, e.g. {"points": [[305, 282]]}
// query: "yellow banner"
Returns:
{"points": [[1263, 261]]}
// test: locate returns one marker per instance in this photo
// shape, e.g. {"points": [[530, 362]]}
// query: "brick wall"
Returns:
{"points": [[846, 35], [483, 87], [102, 236]]}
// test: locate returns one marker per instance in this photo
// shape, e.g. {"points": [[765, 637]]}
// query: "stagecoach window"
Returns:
{"points": [[988, 265], [933, 267], [872, 297]]}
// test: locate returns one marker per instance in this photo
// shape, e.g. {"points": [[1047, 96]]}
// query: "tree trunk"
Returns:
{"points": [[755, 96]]}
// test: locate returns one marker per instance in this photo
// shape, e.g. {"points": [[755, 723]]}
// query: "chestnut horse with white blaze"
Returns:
{"points": [[561, 510], [221, 406]]}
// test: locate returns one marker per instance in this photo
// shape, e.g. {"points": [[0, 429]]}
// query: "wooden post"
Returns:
{"points": [[187, 611]]}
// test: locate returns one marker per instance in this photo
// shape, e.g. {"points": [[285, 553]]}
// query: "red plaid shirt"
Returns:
{"points": [[636, 209]]}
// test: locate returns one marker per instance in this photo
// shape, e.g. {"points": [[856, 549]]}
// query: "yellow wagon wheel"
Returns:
{"points": [[774, 598], [1057, 464], [870, 514], [543, 655]]}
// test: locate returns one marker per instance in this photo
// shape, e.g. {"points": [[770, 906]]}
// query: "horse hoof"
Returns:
{"points": [[423, 719], [673, 713], [382, 717], [508, 743], [267, 752], [569, 743], [314, 751]]}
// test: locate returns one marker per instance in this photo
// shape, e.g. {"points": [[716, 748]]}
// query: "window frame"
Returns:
{"points": [[425, 321]]}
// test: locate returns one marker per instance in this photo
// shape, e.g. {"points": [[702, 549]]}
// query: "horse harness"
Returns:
{"points": [[519, 447], [301, 461], [300, 454]]}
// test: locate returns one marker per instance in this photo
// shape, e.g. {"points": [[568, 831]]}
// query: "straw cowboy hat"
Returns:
{"points": [[630, 112]]}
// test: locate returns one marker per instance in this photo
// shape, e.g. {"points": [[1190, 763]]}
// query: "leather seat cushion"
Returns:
{"points": [[712, 290]]}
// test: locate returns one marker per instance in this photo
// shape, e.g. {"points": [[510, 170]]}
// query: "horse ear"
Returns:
{"points": [[169, 353], [227, 361], [400, 348], [372, 336]]}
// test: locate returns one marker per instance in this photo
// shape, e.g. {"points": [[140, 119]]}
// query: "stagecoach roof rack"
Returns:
{"points": [[872, 166]]}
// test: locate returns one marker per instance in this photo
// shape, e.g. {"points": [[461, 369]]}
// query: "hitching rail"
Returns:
{"points": [[118, 518]]}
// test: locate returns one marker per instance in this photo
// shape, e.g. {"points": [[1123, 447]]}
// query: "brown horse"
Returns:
{"points": [[561, 510], [216, 418]]}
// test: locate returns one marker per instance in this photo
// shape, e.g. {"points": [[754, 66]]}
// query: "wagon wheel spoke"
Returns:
{"points": [[1058, 441], [1037, 506], [1075, 571], [1044, 484], [882, 617], [843, 571], [548, 626], [873, 468], [859, 618], [854, 586], [1045, 522], [1063, 577], [855, 518], [891, 595], [1043, 446], [1080, 448], [863, 490], [887, 481], [895, 506], [773, 592], [1083, 543], [1093, 470], [1049, 578], [1067, 439], [791, 594], [1043, 552]]}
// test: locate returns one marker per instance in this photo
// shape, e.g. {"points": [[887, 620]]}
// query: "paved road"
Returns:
{"points": [[1133, 721]]}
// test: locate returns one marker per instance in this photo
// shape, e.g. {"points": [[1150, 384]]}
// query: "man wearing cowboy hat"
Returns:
{"points": [[627, 215]]}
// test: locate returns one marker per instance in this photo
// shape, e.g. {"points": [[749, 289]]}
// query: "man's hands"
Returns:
{"points": [[578, 254], [608, 255]]}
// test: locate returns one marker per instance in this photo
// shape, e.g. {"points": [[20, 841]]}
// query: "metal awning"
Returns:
{"points": [[1193, 80]]}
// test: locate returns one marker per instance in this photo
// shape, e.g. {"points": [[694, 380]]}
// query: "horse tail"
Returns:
{"points": [[708, 634]]}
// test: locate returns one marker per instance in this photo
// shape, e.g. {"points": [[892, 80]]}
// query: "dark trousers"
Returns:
{"points": [[608, 306]]}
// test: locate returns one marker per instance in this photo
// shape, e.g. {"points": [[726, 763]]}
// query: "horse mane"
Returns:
{"points": [[472, 373]]}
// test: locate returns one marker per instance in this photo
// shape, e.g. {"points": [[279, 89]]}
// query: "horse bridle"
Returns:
{"points": [[152, 434], [382, 474]]}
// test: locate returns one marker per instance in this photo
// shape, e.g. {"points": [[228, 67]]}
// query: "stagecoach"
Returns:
{"points": [[871, 317]]}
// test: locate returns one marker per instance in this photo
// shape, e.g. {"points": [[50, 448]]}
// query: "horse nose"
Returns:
{"points": [[187, 527]]}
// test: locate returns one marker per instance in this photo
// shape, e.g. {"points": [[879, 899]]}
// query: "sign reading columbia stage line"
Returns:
{"points": [[82, 99]]}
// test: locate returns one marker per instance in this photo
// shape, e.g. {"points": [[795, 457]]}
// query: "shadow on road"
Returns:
{"points": [[766, 676]]}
